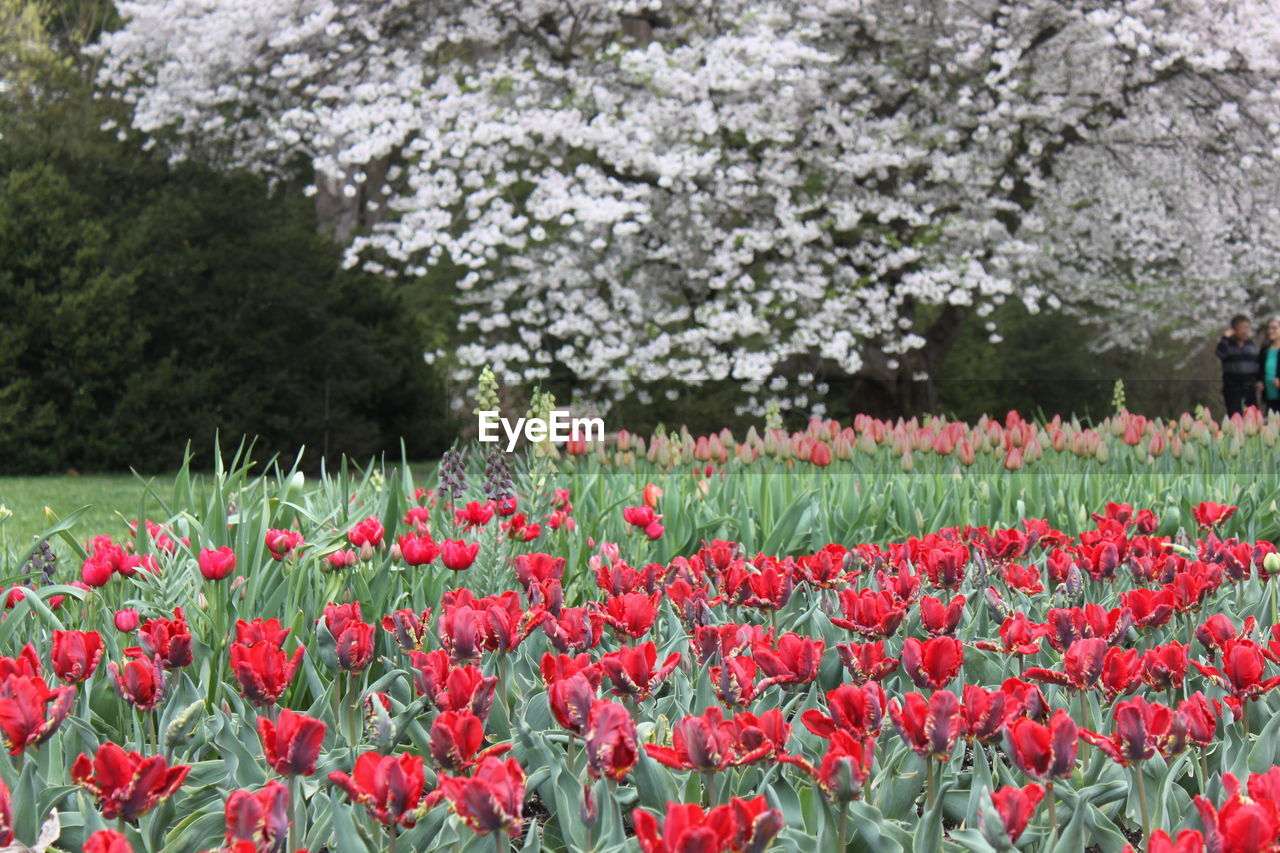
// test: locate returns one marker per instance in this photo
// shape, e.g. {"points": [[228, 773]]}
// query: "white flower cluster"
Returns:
{"points": [[667, 190]]}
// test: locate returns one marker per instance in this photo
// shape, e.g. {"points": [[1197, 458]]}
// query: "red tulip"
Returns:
{"points": [[106, 841], [1044, 753], [282, 543], [292, 743], [610, 741], [845, 766], [1014, 806], [409, 627], [216, 565], [1209, 514], [1241, 671], [417, 550], [1150, 608], [367, 532], [856, 710], [532, 569], [455, 740], [1164, 667], [1188, 841], [945, 565], [166, 639], [76, 654], [631, 614], [140, 682], [260, 818], [686, 828], [1082, 664], [929, 726], [263, 671], [574, 629], [571, 700], [632, 670], [1242, 824], [874, 615], [941, 619], [1198, 717], [698, 743], [388, 786], [794, 660], [638, 516], [934, 663], [491, 800], [261, 631], [866, 661], [457, 555], [126, 620], [30, 712], [452, 688], [125, 784], [734, 682], [1142, 729]]}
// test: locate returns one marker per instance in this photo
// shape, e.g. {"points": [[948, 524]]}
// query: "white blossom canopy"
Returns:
{"points": [[697, 190]]}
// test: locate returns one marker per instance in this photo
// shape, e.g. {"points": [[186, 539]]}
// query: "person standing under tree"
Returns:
{"points": [[1269, 367], [1239, 356]]}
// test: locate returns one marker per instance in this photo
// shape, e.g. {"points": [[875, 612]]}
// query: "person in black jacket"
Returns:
{"points": [[1239, 356]]}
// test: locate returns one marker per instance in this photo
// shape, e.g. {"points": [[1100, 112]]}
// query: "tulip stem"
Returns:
{"points": [[842, 824], [295, 806], [1142, 801], [392, 832], [709, 782], [1053, 816], [931, 784]]}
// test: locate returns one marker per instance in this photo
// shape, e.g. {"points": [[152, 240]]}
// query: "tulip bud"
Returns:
{"points": [[379, 728], [181, 729], [587, 811], [1271, 563], [1075, 583], [126, 620]]}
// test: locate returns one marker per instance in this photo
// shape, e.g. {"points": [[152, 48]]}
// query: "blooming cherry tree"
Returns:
{"points": [[785, 194]]}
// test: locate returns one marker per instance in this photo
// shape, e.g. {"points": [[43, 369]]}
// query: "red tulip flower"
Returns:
{"points": [[30, 711], [685, 828], [282, 543], [216, 565], [699, 743], [76, 654], [845, 766], [261, 631], [1014, 807], [388, 786], [794, 660], [1242, 825], [866, 661], [140, 682], [355, 647], [986, 712], [734, 682], [1240, 672], [571, 700], [456, 555], [944, 565], [452, 688], [929, 726], [631, 614], [125, 784], [1044, 753], [941, 619], [874, 615], [263, 671], [259, 817], [1209, 514], [1188, 841], [126, 620], [166, 639], [106, 841], [1151, 608], [1142, 729], [409, 627], [633, 670], [1164, 667], [291, 745], [1082, 665], [417, 550], [639, 516], [932, 664], [367, 532], [1198, 717], [856, 710], [456, 739], [490, 800], [610, 741]]}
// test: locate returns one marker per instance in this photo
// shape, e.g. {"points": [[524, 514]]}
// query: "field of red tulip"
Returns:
{"points": [[830, 640]]}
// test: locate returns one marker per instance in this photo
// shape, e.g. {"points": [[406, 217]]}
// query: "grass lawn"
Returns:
{"points": [[104, 494]]}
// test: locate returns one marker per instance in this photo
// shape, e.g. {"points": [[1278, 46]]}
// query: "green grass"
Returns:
{"points": [[107, 496]]}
